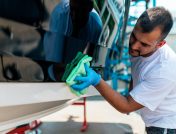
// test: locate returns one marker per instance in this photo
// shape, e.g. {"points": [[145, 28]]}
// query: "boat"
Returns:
{"points": [[26, 91], [21, 103]]}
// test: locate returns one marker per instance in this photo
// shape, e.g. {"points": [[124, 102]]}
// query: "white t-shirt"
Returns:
{"points": [[154, 86]]}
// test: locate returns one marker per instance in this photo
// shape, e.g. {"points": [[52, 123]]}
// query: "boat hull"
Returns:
{"points": [[22, 103]]}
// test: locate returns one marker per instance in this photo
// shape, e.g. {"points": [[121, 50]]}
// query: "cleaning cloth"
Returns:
{"points": [[71, 65], [77, 70]]}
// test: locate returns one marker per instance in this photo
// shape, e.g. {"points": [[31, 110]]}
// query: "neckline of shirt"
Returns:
{"points": [[151, 57]]}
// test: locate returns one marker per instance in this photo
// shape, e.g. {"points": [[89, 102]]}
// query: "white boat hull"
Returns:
{"points": [[22, 103]]}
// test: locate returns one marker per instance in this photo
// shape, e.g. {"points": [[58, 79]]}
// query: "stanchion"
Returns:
{"points": [[84, 124]]}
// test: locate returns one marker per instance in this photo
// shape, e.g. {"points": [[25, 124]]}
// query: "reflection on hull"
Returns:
{"points": [[17, 115], [40, 101]]}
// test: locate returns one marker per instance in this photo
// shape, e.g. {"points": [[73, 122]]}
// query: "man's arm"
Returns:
{"points": [[119, 102]]}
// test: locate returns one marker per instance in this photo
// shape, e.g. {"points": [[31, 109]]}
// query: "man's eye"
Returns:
{"points": [[132, 35], [145, 45]]}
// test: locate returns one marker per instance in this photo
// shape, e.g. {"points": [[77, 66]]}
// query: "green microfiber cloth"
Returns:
{"points": [[77, 70], [71, 65]]}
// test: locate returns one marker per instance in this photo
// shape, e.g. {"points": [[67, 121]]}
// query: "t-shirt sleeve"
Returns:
{"points": [[56, 21], [151, 92], [54, 38], [53, 46]]}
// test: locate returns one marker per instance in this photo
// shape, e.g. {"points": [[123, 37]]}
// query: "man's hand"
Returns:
{"points": [[91, 78]]}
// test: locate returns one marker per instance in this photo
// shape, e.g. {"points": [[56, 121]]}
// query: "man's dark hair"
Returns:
{"points": [[156, 17]]}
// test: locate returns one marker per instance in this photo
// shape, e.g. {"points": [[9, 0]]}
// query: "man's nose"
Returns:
{"points": [[135, 45]]}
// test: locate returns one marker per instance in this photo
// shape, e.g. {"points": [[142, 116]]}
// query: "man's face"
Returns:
{"points": [[79, 12], [144, 44]]}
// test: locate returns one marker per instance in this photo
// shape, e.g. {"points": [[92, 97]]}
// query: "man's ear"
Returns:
{"points": [[160, 44]]}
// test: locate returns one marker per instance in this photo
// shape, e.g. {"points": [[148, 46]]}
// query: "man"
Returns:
{"points": [[153, 88], [71, 18]]}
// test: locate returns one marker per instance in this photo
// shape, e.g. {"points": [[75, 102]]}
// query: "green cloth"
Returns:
{"points": [[76, 68], [71, 65]]}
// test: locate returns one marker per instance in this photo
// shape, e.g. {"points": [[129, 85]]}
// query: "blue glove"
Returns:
{"points": [[92, 78]]}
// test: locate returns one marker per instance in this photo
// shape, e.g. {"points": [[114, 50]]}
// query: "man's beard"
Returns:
{"points": [[136, 52]]}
